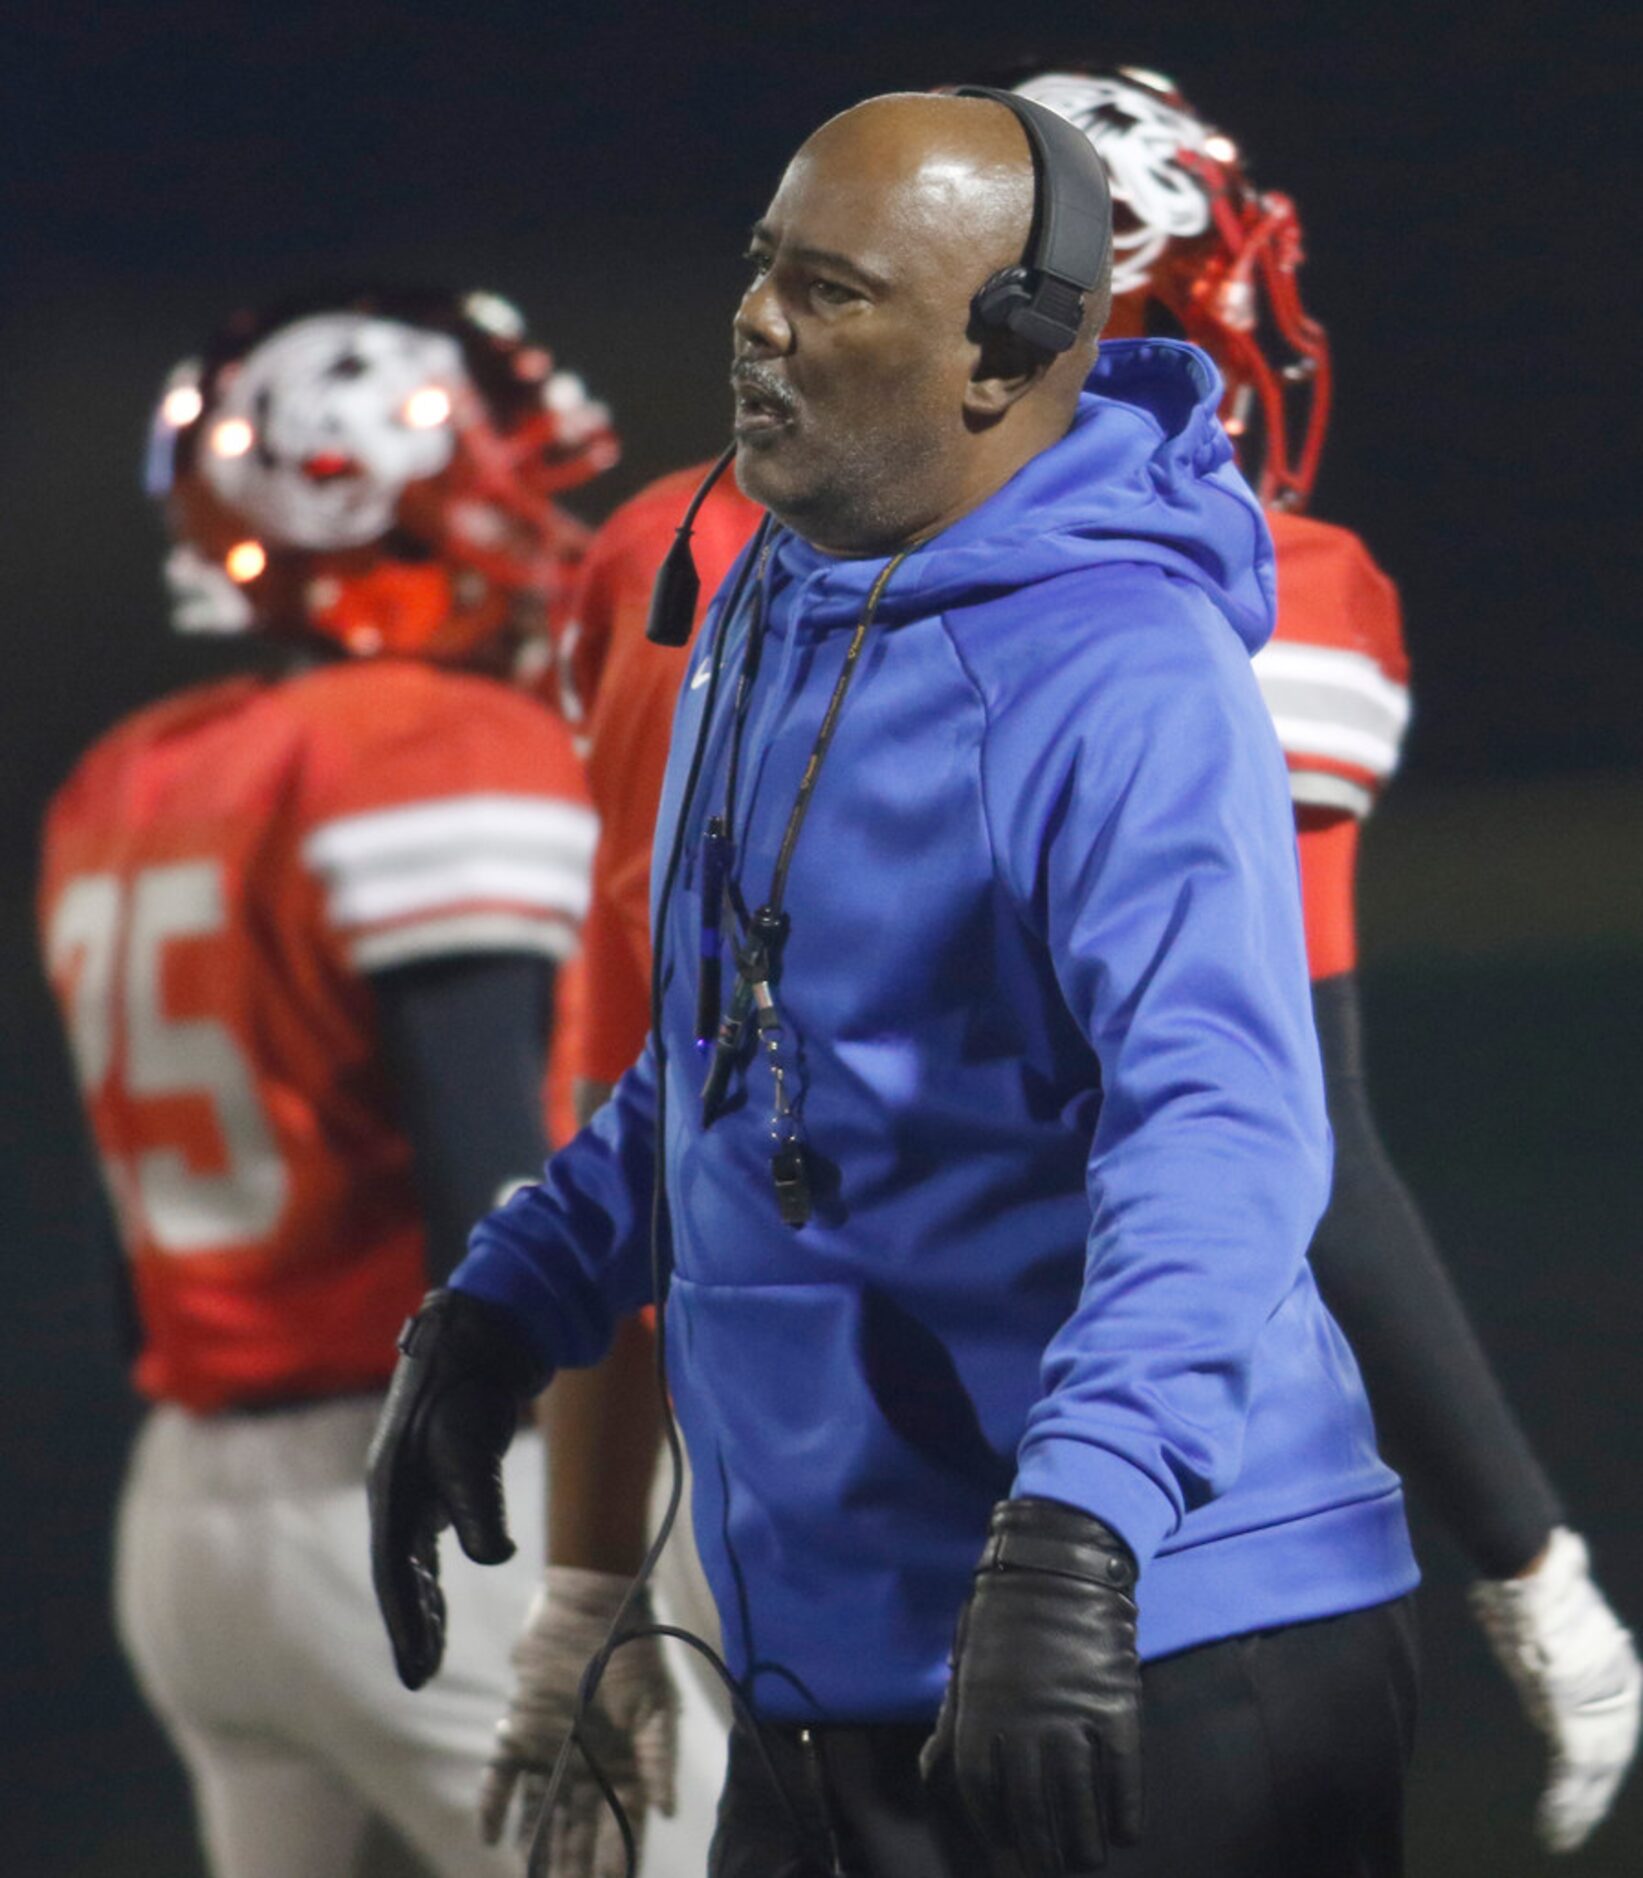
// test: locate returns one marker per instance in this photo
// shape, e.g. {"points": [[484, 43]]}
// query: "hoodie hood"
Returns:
{"points": [[1145, 475]]}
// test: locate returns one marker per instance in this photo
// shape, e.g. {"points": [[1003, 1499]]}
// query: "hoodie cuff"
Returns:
{"points": [[1105, 1486], [520, 1291]]}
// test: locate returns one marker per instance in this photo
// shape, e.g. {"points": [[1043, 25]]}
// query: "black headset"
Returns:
{"points": [[1041, 298]]}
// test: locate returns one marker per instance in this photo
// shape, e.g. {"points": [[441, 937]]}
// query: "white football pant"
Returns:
{"points": [[243, 1598]]}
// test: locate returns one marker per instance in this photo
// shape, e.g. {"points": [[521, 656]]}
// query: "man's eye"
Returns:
{"points": [[833, 293], [758, 262]]}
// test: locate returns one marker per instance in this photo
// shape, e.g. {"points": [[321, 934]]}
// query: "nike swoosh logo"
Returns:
{"points": [[701, 675]]}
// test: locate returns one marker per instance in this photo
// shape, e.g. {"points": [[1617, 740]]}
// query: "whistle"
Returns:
{"points": [[792, 1182]]}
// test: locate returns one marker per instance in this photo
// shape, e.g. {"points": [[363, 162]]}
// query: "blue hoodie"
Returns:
{"points": [[1046, 1017]]}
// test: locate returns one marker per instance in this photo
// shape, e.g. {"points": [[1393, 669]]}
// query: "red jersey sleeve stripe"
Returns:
{"points": [[441, 885], [456, 935], [1326, 789], [1333, 705], [430, 858]]}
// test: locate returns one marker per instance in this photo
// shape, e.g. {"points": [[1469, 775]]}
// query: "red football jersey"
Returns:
{"points": [[619, 690], [1335, 677], [222, 873]]}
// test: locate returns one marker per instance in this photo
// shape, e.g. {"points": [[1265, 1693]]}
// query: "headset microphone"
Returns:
{"points": [[1041, 299], [673, 598]]}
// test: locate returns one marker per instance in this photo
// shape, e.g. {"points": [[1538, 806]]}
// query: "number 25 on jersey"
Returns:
{"points": [[188, 1148]]}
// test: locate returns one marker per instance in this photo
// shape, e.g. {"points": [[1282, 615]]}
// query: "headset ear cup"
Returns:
{"points": [[1041, 314], [1041, 301], [995, 302]]}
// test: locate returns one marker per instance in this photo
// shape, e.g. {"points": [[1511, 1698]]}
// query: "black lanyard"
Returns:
{"points": [[758, 951]]}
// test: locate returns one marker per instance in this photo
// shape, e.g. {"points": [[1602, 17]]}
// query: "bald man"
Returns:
{"points": [[984, 1106]]}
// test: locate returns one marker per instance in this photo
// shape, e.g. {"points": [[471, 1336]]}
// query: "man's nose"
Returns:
{"points": [[760, 328]]}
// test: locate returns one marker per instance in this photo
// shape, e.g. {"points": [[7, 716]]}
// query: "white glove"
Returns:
{"points": [[1577, 1674], [630, 1725]]}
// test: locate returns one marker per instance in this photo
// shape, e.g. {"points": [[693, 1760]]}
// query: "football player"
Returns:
{"points": [[304, 932], [1199, 251]]}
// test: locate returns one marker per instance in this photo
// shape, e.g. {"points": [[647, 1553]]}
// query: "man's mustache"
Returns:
{"points": [[751, 379]]}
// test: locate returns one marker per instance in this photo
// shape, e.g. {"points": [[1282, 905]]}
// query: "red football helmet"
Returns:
{"points": [[1194, 237], [377, 470]]}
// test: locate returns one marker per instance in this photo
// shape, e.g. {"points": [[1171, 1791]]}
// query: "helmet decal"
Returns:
{"points": [[320, 427], [1139, 137]]}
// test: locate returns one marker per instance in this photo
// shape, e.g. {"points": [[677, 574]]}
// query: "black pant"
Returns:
{"points": [[1276, 1755]]}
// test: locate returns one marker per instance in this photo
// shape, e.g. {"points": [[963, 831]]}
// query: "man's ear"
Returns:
{"points": [[1006, 369]]}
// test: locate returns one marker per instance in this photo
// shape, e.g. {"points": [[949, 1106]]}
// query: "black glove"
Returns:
{"points": [[1040, 1731], [436, 1461]]}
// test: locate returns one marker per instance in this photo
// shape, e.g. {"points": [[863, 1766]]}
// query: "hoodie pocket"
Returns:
{"points": [[842, 1477]]}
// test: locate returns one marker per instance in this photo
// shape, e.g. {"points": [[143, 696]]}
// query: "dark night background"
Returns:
{"points": [[1459, 171]]}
